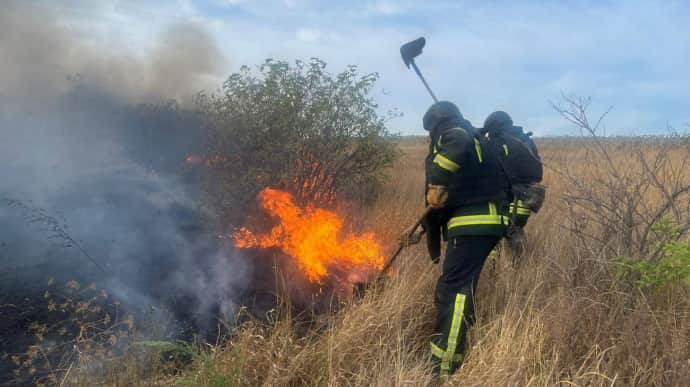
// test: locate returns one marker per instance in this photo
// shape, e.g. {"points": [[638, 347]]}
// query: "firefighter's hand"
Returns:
{"points": [[436, 196], [410, 237]]}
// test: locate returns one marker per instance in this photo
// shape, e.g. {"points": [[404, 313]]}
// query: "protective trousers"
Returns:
{"points": [[454, 298]]}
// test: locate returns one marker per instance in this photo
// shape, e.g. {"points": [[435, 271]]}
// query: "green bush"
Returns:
{"points": [[672, 265], [294, 127]]}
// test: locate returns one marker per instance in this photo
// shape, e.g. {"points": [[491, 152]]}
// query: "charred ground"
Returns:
{"points": [[98, 187]]}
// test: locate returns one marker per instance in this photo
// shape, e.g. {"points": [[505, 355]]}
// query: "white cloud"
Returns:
{"points": [[308, 35], [483, 55], [387, 8]]}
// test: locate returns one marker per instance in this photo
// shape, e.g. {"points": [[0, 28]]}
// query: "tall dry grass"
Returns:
{"points": [[560, 317], [563, 315]]}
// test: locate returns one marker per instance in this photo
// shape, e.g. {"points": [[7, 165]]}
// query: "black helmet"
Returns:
{"points": [[498, 121], [440, 112]]}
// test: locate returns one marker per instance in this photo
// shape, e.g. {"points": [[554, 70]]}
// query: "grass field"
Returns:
{"points": [[571, 312]]}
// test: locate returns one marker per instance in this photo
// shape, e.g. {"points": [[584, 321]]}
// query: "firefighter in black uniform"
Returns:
{"points": [[468, 192], [523, 167]]}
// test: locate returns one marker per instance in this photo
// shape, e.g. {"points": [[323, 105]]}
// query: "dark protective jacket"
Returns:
{"points": [[520, 159], [521, 152], [477, 187]]}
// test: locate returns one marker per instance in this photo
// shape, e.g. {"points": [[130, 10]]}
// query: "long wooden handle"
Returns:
{"points": [[402, 245]]}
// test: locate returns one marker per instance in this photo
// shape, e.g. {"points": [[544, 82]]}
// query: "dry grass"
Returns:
{"points": [[561, 317]]}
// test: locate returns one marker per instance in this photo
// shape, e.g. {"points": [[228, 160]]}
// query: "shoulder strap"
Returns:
{"points": [[522, 143]]}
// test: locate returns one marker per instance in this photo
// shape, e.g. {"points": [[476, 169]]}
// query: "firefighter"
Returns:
{"points": [[523, 168], [467, 190]]}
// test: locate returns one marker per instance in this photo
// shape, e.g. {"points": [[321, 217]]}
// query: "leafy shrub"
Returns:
{"points": [[294, 127], [671, 267]]}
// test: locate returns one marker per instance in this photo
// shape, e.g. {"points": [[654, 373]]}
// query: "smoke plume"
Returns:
{"points": [[76, 143], [42, 58]]}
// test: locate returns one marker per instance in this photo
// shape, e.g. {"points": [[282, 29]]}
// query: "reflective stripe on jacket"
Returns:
{"points": [[478, 219]]}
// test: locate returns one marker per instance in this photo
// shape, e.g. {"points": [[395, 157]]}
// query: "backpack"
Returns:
{"points": [[518, 157]]}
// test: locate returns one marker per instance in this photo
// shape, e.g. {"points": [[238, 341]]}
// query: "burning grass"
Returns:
{"points": [[315, 238], [561, 316]]}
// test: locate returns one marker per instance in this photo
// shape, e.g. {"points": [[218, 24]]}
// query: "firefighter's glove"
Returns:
{"points": [[410, 237], [436, 196]]}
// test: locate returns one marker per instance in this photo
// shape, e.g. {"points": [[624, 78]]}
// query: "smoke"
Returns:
{"points": [[42, 58], [75, 143]]}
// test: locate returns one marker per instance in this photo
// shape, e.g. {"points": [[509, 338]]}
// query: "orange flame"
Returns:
{"points": [[313, 237]]}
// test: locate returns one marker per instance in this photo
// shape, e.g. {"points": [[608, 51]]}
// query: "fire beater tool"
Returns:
{"points": [[411, 50], [408, 52], [405, 241]]}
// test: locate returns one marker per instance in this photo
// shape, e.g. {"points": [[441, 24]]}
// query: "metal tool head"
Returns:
{"points": [[412, 49]]}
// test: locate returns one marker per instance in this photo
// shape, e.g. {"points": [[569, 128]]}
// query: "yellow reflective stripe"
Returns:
{"points": [[478, 149], [492, 209], [471, 220], [455, 325], [446, 163], [505, 149], [521, 209], [438, 143], [439, 353], [436, 350], [520, 205]]}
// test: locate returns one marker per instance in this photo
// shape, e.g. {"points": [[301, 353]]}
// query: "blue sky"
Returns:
{"points": [[482, 55]]}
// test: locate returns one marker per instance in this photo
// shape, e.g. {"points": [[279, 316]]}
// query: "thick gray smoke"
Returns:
{"points": [[41, 58], [74, 142]]}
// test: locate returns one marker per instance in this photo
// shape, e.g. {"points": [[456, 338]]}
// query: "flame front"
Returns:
{"points": [[314, 237]]}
